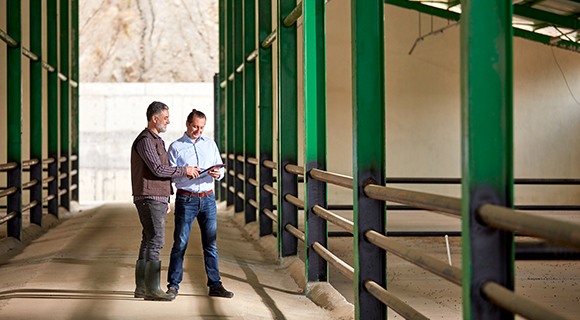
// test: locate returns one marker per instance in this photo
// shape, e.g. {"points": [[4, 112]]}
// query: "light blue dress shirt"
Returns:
{"points": [[203, 153]]}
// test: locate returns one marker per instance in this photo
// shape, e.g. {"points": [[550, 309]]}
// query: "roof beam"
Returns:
{"points": [[446, 14], [548, 17]]}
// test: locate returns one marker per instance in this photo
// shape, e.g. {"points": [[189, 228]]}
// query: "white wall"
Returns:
{"points": [[113, 114]]}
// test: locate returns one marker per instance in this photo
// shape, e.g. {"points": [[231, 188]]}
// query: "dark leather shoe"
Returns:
{"points": [[172, 291], [220, 292]]}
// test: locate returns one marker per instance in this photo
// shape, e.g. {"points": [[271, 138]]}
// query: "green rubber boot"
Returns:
{"points": [[153, 291], [140, 279]]}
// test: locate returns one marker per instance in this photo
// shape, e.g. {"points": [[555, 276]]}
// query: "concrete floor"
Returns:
{"points": [[84, 269]]}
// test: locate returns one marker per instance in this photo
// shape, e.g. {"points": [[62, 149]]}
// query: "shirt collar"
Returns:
{"points": [[186, 138], [155, 135]]}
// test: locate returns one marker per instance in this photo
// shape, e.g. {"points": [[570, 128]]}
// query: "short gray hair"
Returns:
{"points": [[155, 108]]}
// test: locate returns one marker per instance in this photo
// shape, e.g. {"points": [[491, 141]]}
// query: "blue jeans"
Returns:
{"points": [[187, 208]]}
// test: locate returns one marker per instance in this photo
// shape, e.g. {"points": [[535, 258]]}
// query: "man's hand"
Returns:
{"points": [[168, 208], [192, 172], [214, 173]]}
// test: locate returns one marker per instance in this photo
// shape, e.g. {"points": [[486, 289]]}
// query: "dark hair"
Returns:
{"points": [[195, 113], [155, 108]]}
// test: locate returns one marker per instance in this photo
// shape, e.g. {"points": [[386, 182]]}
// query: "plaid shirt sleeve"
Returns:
{"points": [[146, 149]]}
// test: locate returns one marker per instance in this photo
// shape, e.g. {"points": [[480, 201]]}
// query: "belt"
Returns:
{"points": [[193, 194]]}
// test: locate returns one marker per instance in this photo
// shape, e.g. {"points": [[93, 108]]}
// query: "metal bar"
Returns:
{"points": [[295, 201], [270, 164], [295, 232], [74, 172], [294, 169], [265, 109], [241, 176], [8, 39], [62, 192], [369, 154], [62, 159], [48, 67], [507, 219], [253, 182], [62, 175], [64, 68], [293, 16], [416, 257], [241, 158], [240, 69], [238, 100], [224, 185], [29, 163], [232, 156], [524, 181], [232, 189], [270, 189], [253, 203], [404, 234], [29, 55], [240, 195], [74, 102], [48, 198], [508, 300], [8, 217], [487, 149], [31, 183], [232, 173], [340, 265], [8, 166], [49, 179], [334, 178], [52, 101], [7, 192], [29, 206], [334, 218], [271, 215], [545, 16], [268, 41], [253, 161], [252, 56], [229, 112], [417, 199], [74, 187], [398, 305], [287, 95], [48, 161], [223, 84], [14, 116], [219, 120]]}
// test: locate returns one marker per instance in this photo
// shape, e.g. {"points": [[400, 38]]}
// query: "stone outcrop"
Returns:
{"points": [[148, 41]]}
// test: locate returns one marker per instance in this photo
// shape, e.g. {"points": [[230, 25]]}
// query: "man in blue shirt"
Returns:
{"points": [[195, 198]]}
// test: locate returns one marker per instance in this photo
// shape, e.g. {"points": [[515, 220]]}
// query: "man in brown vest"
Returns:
{"points": [[151, 180]]}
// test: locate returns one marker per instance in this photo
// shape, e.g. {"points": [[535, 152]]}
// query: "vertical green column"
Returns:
{"points": [[65, 103], [249, 106], [74, 106], [14, 115], [287, 126], [368, 115], [230, 69], [238, 101], [36, 138], [265, 102], [52, 101], [487, 151], [314, 133], [220, 115]]}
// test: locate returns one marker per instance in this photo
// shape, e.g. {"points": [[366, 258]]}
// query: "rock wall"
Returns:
{"points": [[148, 41]]}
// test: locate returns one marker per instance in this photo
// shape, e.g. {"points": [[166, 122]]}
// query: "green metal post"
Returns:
{"points": [[36, 138], [52, 100], [14, 116], [238, 53], [265, 101], [230, 69], [314, 134], [65, 103], [249, 106], [287, 126], [487, 162], [369, 159], [74, 112], [220, 115]]}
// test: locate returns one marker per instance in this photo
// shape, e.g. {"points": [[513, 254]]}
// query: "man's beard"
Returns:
{"points": [[161, 128]]}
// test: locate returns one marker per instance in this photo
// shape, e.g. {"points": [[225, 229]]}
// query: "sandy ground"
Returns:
{"points": [[84, 269]]}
